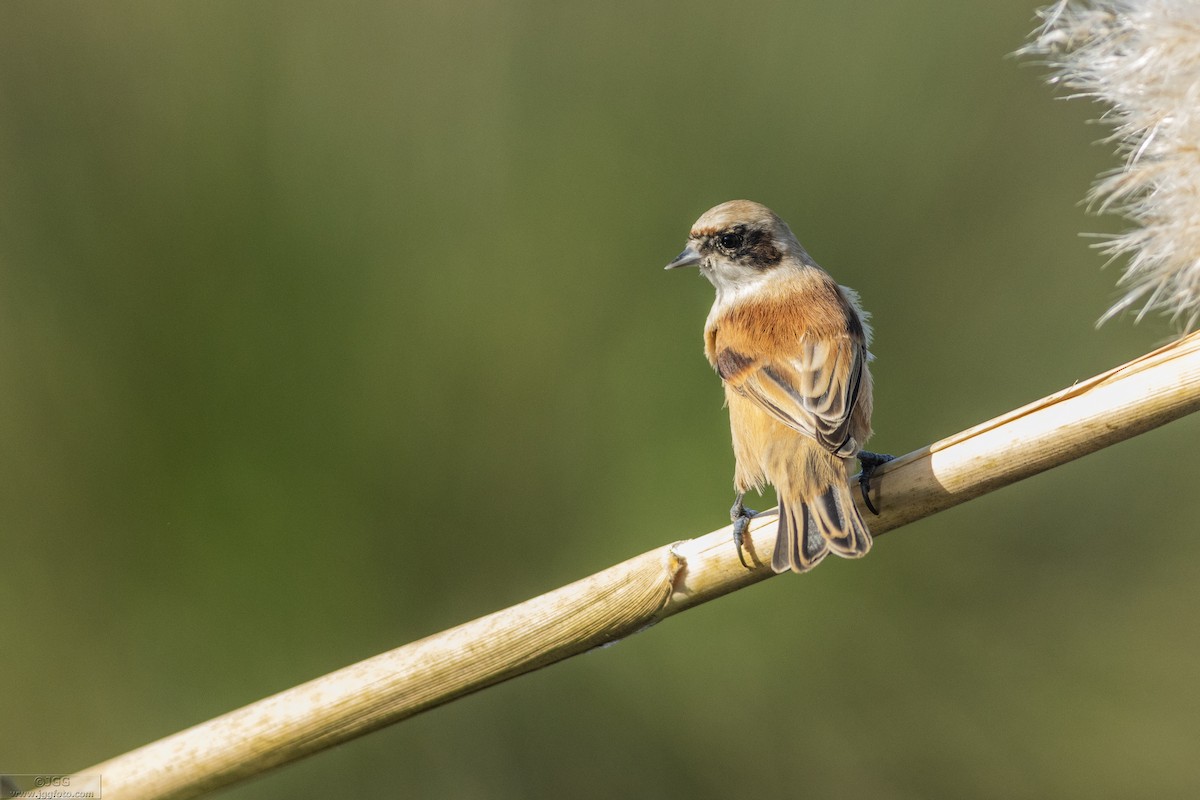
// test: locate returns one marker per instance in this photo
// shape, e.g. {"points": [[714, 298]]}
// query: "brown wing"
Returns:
{"points": [[812, 390]]}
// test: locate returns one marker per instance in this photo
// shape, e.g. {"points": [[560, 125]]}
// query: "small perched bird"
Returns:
{"points": [[790, 345]]}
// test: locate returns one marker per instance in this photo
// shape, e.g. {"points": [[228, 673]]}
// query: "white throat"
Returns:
{"points": [[734, 285]]}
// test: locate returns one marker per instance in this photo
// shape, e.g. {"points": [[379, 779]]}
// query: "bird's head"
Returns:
{"points": [[739, 245]]}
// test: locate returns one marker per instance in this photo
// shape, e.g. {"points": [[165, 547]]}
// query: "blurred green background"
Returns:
{"points": [[327, 326]]}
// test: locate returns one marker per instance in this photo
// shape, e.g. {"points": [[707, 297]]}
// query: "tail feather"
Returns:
{"points": [[840, 523], [808, 531], [799, 545]]}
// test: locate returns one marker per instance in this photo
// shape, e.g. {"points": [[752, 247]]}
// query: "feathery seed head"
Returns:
{"points": [[1142, 58]]}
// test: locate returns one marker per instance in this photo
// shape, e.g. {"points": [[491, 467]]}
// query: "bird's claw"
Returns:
{"points": [[740, 516], [870, 462]]}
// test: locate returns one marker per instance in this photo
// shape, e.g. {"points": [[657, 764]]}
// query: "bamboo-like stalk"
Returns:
{"points": [[1145, 393]]}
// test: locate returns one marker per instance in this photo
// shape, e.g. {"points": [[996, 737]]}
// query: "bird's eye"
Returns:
{"points": [[730, 241]]}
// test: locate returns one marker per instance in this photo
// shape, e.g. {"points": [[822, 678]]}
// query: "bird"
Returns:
{"points": [[790, 346]]}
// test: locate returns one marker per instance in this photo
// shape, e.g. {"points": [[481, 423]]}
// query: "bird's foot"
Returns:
{"points": [[740, 516], [870, 462]]}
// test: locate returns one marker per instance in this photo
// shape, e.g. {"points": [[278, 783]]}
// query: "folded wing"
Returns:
{"points": [[812, 390]]}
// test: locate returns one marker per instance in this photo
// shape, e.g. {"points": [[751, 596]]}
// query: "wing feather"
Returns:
{"points": [[814, 390]]}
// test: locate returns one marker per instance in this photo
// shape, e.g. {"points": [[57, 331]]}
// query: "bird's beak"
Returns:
{"points": [[688, 258]]}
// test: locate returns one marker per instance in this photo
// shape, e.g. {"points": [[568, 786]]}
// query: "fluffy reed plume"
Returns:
{"points": [[1141, 58]]}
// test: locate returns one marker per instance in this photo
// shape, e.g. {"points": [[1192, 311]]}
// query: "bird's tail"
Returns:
{"points": [[823, 521]]}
